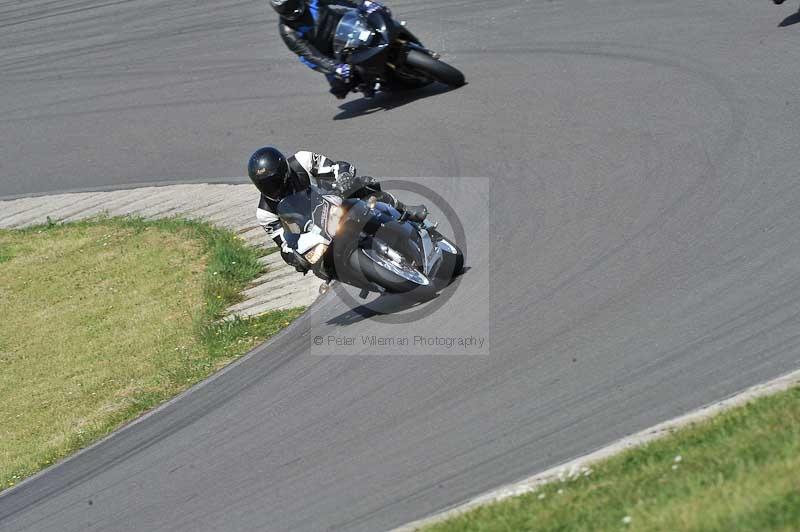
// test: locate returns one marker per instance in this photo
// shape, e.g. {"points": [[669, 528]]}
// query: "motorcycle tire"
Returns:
{"points": [[434, 69], [451, 267]]}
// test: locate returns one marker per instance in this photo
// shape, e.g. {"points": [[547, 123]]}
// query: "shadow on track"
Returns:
{"points": [[385, 304], [386, 101], [389, 304], [794, 18]]}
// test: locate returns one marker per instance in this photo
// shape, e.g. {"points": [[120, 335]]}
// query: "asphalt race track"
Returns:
{"points": [[642, 251]]}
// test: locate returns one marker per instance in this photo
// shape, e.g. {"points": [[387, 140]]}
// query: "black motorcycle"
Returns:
{"points": [[364, 244], [386, 55]]}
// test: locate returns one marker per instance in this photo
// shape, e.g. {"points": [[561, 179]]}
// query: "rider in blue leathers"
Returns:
{"points": [[308, 27]]}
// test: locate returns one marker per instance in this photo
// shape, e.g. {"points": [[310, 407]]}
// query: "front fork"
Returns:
{"points": [[415, 46], [409, 40]]}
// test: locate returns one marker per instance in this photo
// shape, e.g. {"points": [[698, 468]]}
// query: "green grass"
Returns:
{"points": [[739, 471], [105, 319], [6, 253]]}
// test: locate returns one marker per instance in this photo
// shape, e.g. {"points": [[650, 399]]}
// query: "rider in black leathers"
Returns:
{"points": [[308, 27], [276, 177]]}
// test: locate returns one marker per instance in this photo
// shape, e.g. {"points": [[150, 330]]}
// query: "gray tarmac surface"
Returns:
{"points": [[642, 251]]}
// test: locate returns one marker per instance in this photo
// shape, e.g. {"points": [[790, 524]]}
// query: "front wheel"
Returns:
{"points": [[434, 69], [393, 277], [451, 267]]}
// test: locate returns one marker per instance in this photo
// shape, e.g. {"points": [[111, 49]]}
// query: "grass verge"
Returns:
{"points": [[105, 319], [737, 471]]}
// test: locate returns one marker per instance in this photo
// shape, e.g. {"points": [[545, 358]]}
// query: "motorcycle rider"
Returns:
{"points": [[276, 177], [308, 27]]}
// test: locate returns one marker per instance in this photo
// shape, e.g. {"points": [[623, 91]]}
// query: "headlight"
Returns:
{"points": [[314, 254]]}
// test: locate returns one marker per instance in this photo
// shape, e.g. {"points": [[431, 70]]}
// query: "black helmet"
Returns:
{"points": [[269, 172], [288, 9]]}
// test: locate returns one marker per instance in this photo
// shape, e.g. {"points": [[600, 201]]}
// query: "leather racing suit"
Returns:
{"points": [[307, 168], [310, 36]]}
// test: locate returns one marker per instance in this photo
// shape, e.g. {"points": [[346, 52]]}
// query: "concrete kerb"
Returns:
{"points": [[531, 484], [230, 207]]}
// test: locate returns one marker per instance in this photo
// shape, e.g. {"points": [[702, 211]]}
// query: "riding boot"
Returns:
{"points": [[413, 213]]}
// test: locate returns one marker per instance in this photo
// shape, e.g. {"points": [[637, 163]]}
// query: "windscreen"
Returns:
{"points": [[296, 210], [352, 32]]}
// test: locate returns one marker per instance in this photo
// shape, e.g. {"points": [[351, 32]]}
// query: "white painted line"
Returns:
{"points": [[531, 484]]}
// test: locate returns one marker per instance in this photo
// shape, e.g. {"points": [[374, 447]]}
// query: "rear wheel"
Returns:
{"points": [[434, 69]]}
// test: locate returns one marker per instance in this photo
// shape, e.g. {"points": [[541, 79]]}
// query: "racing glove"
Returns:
{"points": [[343, 72], [346, 180], [294, 259], [291, 257]]}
